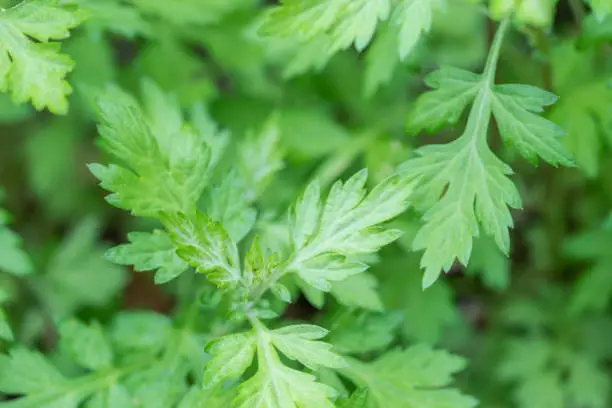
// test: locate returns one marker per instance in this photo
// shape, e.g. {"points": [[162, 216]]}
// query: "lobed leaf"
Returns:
{"points": [[206, 246], [148, 251], [232, 355], [31, 67], [167, 161], [416, 377]]}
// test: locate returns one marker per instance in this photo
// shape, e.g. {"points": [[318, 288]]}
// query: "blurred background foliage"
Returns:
{"points": [[535, 327]]}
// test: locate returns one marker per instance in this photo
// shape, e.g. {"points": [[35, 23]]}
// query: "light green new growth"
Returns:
{"points": [[31, 67], [464, 187], [205, 245], [346, 225], [165, 169], [168, 161]]}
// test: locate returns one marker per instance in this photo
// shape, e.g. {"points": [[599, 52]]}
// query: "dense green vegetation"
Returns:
{"points": [[305, 203]]}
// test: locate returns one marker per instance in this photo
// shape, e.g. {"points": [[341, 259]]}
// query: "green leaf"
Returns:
{"points": [[190, 11], [342, 23], [427, 315], [138, 332], [583, 120], [541, 390], [595, 30], [347, 224], [31, 67], [197, 397], [206, 246], [358, 399], [231, 356], [464, 187], [296, 342], [260, 158], [158, 390], [169, 161], [453, 90], [5, 329], [525, 358], [539, 13], [168, 47], [381, 60], [13, 259], [52, 163], [310, 133], [116, 396], [409, 22], [358, 291], [531, 134], [148, 251], [228, 204], [478, 191], [490, 263], [588, 385], [585, 101], [548, 373], [364, 332], [85, 344], [115, 17], [151, 366], [416, 377], [75, 267], [323, 271], [413, 19], [23, 372], [257, 268], [601, 8], [593, 289], [277, 386]]}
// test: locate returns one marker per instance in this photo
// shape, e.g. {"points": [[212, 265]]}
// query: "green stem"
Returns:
{"points": [[494, 51], [578, 11]]}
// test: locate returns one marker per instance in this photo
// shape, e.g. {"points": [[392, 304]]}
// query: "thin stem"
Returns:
{"points": [[578, 12], [493, 57]]}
